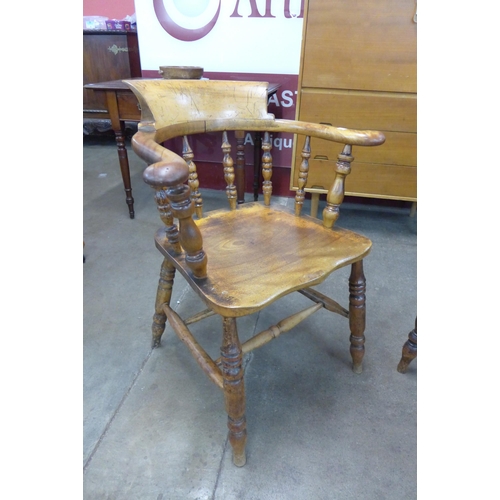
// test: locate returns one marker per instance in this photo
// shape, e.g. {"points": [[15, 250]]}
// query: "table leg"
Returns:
{"points": [[240, 166], [119, 130], [256, 164], [409, 350], [314, 204], [413, 209]]}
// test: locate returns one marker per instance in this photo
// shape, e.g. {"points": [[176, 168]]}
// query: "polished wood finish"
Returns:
{"points": [[107, 55], [122, 105], [360, 44], [283, 326], [229, 176], [205, 362], [409, 350], [336, 192], [234, 389], [357, 313], [163, 296], [242, 258], [187, 154], [358, 70]]}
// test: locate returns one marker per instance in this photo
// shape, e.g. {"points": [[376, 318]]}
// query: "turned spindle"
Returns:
{"points": [[171, 230], [228, 171], [303, 173], [194, 184], [335, 195], [267, 168]]}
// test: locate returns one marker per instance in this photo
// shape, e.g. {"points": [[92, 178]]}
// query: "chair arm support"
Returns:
{"points": [[166, 174], [147, 147], [335, 195], [169, 178]]}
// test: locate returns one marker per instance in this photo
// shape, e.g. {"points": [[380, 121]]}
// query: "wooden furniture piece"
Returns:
{"points": [[242, 259], [358, 70], [123, 106], [107, 55], [409, 350], [110, 56]]}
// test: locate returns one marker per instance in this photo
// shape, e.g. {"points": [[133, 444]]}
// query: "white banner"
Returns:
{"points": [[247, 36], [231, 40]]}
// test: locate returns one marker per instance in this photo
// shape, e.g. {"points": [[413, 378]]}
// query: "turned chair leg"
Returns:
{"points": [[357, 315], [409, 350], [163, 296], [234, 390]]}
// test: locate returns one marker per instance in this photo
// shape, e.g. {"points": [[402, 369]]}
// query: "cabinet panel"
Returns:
{"points": [[383, 181], [366, 179], [398, 149], [361, 44], [384, 112], [128, 106], [107, 56], [359, 70]]}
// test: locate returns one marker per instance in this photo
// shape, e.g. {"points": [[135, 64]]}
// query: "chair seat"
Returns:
{"points": [[256, 257]]}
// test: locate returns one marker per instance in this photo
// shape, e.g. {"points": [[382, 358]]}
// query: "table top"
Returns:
{"points": [[119, 85]]}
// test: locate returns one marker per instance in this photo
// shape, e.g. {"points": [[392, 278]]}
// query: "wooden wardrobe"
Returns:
{"points": [[359, 70]]}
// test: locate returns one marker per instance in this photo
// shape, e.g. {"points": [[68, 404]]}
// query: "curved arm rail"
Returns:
{"points": [[147, 141]]}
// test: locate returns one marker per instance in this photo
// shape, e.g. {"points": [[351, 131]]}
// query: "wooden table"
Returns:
{"points": [[122, 106]]}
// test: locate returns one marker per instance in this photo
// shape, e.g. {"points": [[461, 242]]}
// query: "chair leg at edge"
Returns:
{"points": [[234, 390], [409, 350], [357, 315], [163, 296]]}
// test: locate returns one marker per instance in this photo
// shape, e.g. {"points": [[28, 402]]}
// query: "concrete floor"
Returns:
{"points": [[154, 426]]}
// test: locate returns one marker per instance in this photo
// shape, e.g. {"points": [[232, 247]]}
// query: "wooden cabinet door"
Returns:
{"points": [[107, 56], [361, 45]]}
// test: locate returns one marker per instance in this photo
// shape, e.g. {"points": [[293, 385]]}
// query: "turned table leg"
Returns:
{"points": [[240, 166], [119, 130], [257, 164], [409, 350], [234, 390], [357, 315]]}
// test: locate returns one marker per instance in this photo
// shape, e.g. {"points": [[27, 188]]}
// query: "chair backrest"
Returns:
{"points": [[171, 102], [178, 108]]}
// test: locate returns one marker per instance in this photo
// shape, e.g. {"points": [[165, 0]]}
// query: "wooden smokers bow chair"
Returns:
{"points": [[242, 259]]}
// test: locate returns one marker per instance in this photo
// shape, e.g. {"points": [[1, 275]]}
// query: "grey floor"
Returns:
{"points": [[154, 426]]}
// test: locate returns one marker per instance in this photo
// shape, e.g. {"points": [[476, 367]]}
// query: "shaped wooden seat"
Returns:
{"points": [[243, 258], [273, 250]]}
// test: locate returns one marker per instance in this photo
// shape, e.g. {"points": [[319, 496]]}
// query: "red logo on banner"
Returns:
{"points": [[196, 8], [180, 32]]}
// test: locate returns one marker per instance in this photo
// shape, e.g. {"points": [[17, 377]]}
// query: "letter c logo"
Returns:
{"points": [[179, 32]]}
